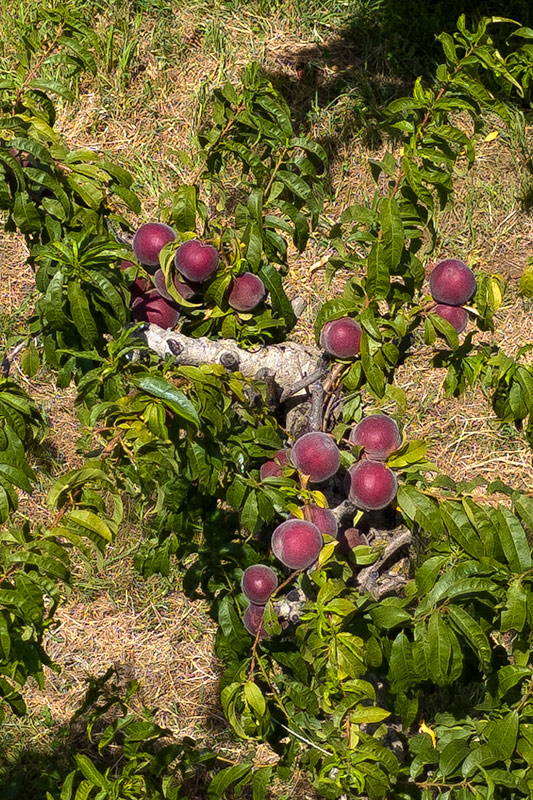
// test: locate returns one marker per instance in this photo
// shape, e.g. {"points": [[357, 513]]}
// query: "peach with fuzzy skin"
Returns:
{"points": [[378, 434], [151, 307], [296, 543], [455, 315], [451, 282], [258, 583], [371, 485], [253, 620], [341, 337], [196, 260], [316, 454], [246, 292], [274, 467], [150, 240], [323, 518]]}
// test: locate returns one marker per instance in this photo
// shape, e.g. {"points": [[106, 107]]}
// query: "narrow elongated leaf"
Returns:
{"points": [[280, 302], [175, 399], [514, 613], [466, 625], [81, 312], [392, 228], [378, 278], [513, 540], [440, 649]]}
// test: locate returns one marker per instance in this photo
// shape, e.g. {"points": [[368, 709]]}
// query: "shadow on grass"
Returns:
{"points": [[379, 48], [138, 749]]}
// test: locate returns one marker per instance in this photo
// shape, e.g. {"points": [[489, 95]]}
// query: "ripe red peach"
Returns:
{"points": [[246, 292], [296, 543], [196, 260], [253, 620], [378, 434], [341, 337], [151, 307], [150, 240], [371, 485], [316, 454], [455, 315], [258, 583], [451, 282]]}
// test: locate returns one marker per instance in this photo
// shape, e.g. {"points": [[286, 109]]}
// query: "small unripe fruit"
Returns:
{"points": [[196, 260], [151, 307], [274, 467], [316, 454], [246, 292], [371, 485], [341, 337], [253, 620], [258, 583], [323, 518], [150, 240], [455, 315], [297, 543], [452, 282], [378, 434]]}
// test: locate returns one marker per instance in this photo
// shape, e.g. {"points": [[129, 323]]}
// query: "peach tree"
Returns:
{"points": [[374, 615]]}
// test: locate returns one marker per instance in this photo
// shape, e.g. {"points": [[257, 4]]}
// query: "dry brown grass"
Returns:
{"points": [[148, 628]]}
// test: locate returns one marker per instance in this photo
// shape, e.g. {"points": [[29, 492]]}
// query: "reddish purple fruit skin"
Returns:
{"points": [[378, 434], [323, 518], [196, 260], [350, 538], [341, 337], [274, 467], [253, 620], [455, 315], [316, 454], [258, 583], [246, 292], [371, 485], [149, 241], [297, 543], [452, 282], [151, 307]]}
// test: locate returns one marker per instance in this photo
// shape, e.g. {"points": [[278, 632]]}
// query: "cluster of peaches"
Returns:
{"points": [[195, 262], [451, 284], [370, 485]]}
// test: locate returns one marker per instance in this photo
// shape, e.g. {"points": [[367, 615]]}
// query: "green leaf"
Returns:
{"points": [[90, 772], [378, 278], [280, 302], [225, 778], [176, 400], [421, 509], [466, 625], [401, 661], [25, 214], [254, 697], [440, 649], [501, 735], [260, 782], [92, 522], [513, 540], [30, 361], [453, 754], [393, 233], [184, 208], [81, 312], [514, 614]]}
